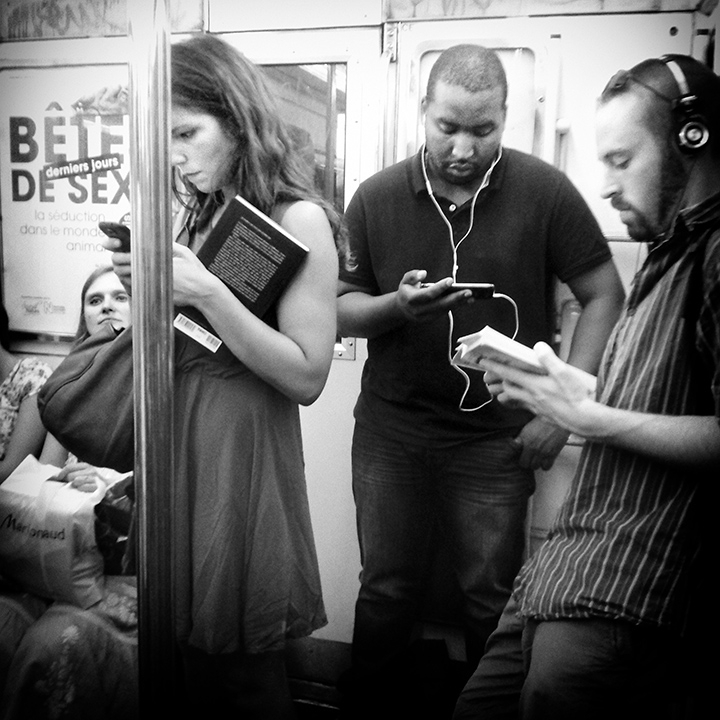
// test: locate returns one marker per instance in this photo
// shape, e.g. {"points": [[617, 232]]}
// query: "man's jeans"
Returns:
{"points": [[477, 493]]}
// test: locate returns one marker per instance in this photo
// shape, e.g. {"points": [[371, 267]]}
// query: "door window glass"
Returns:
{"points": [[311, 99]]}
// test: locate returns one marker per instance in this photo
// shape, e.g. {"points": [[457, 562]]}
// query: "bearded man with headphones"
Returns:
{"points": [[610, 618]]}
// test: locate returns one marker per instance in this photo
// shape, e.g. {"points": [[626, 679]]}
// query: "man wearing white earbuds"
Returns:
{"points": [[431, 449]]}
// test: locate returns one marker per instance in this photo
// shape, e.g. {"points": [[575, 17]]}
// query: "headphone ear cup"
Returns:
{"points": [[691, 126], [692, 130], [693, 135]]}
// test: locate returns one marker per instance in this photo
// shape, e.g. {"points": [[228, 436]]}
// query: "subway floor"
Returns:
{"points": [[429, 690]]}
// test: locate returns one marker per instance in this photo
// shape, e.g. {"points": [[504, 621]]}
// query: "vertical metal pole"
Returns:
{"points": [[151, 224], [331, 134]]}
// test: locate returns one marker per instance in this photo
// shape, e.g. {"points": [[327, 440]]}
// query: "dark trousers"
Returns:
{"points": [[476, 494], [593, 669]]}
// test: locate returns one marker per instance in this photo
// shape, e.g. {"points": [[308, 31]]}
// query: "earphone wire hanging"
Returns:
{"points": [[455, 246]]}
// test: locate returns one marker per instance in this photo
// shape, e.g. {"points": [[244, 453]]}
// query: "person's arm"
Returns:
{"points": [[296, 358], [364, 314], [80, 475], [565, 397], [690, 440], [53, 453], [600, 293], [26, 439]]}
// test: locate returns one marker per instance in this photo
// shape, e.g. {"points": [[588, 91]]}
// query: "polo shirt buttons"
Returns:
{"points": [[453, 207]]}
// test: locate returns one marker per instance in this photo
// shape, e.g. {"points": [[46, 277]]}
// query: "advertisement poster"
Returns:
{"points": [[64, 167]]}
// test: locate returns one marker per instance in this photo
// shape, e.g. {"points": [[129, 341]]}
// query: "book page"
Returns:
{"points": [[247, 266], [489, 344], [254, 256]]}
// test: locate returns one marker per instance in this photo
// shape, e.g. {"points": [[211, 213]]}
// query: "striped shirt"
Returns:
{"points": [[627, 540]]}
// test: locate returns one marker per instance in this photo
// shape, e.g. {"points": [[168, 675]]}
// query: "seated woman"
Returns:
{"points": [[104, 300], [21, 434], [73, 662]]}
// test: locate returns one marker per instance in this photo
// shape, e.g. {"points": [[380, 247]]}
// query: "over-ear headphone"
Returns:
{"points": [[691, 127]]}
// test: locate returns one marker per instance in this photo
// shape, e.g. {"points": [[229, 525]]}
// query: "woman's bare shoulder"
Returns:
{"points": [[305, 220]]}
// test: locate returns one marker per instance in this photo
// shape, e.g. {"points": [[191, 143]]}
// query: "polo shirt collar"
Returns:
{"points": [[417, 178]]}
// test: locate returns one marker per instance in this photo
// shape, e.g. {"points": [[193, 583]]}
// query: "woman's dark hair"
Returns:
{"points": [[82, 331], [209, 75]]}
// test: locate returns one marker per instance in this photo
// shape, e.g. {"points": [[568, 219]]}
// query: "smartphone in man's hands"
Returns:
{"points": [[479, 290]]}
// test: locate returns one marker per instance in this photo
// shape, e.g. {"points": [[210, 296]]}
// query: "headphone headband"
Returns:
{"points": [[692, 130], [678, 74]]}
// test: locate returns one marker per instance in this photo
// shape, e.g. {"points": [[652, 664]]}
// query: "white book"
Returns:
{"points": [[489, 344]]}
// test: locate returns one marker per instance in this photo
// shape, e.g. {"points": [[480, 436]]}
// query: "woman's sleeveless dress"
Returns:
{"points": [[246, 567]]}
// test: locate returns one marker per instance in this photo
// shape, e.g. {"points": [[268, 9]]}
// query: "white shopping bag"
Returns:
{"points": [[47, 535]]}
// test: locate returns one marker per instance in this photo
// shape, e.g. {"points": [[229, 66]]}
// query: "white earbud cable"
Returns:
{"points": [[455, 246]]}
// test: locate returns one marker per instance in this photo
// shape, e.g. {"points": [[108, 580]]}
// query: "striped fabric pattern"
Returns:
{"points": [[627, 539]]}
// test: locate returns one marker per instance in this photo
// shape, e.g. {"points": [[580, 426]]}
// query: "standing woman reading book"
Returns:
{"points": [[247, 574]]}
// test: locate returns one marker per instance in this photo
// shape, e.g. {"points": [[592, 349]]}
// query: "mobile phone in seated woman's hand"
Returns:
{"points": [[119, 231]]}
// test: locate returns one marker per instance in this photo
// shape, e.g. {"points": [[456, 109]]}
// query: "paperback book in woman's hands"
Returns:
{"points": [[489, 344], [253, 255]]}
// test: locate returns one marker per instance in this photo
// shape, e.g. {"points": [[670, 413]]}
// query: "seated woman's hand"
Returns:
{"points": [[83, 476]]}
